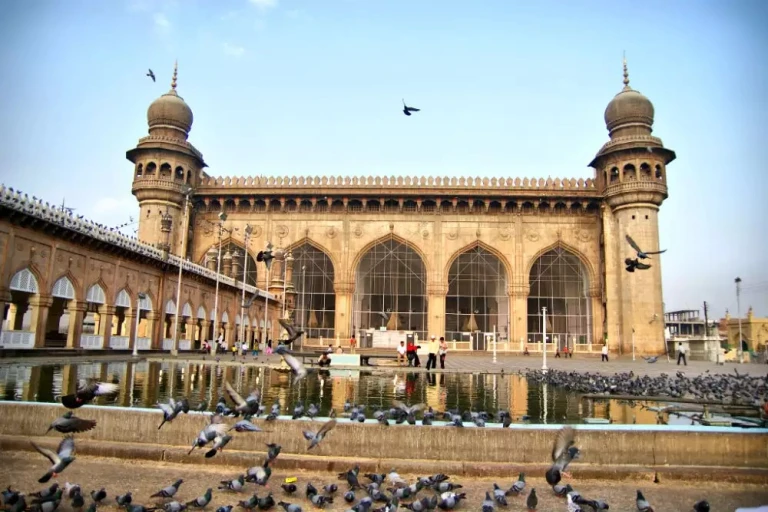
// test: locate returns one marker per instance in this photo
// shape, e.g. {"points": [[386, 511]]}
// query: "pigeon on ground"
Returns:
{"points": [[518, 486], [172, 409], [258, 474], [394, 478], [640, 253], [572, 507], [233, 485], [330, 488], [50, 491], [201, 501], [410, 411], [289, 488], [312, 411], [99, 496], [315, 438], [266, 502], [562, 490], [533, 501], [563, 452], [299, 372], [170, 491], [651, 359], [701, 506], [46, 506], [78, 502], [349, 496], [450, 500], [247, 406], [57, 496], [407, 110], [289, 507], [488, 503], [124, 500], [225, 508], [202, 406], [88, 392], [174, 506], [445, 486], [250, 503], [70, 424], [293, 332], [151, 75], [211, 431], [500, 495], [319, 501], [596, 505], [9, 496], [63, 457], [71, 489], [642, 503]]}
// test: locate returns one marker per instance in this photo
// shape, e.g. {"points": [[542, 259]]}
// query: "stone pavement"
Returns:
{"points": [[22, 469]]}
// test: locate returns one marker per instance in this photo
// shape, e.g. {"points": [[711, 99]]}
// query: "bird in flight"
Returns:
{"points": [[640, 253], [151, 75], [407, 110], [635, 264]]}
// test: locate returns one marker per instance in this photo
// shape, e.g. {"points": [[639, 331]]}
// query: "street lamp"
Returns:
{"points": [[139, 298], [248, 231], [303, 304], [266, 257], [544, 344], [738, 312], [183, 253], [222, 218]]}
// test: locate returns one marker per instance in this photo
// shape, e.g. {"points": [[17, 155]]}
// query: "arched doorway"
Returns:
{"points": [[169, 321], [18, 328], [313, 277], [92, 336], [187, 326], [559, 282], [390, 292], [121, 330], [60, 315], [477, 299], [144, 332]]}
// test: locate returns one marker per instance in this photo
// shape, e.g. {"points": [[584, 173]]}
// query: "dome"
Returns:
{"points": [[628, 107], [170, 109]]}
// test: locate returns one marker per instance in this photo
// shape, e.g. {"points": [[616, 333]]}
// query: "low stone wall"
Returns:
{"points": [[462, 450]]}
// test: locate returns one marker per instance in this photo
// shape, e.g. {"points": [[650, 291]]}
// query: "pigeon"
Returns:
{"points": [[642, 503], [330, 488], [450, 500], [595, 505], [250, 503], [297, 368], [168, 492], [245, 426], [56, 496], [266, 256], [572, 507], [488, 503], [532, 502], [218, 445], [174, 506], [289, 507], [46, 506], [88, 392], [315, 438], [407, 110], [151, 75], [233, 485], [289, 488], [201, 501], [640, 253], [50, 491], [267, 502], [518, 486], [349, 497], [273, 450], [225, 508], [631, 265], [78, 501], [651, 359], [10, 496], [312, 411], [562, 490], [319, 501], [258, 474], [70, 424], [293, 332], [445, 486], [248, 406], [211, 431], [124, 500], [563, 452], [63, 457], [410, 411], [129, 508], [701, 506], [172, 409], [499, 495], [99, 496], [395, 479], [71, 489]]}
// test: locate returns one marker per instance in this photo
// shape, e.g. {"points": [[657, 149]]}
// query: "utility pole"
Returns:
{"points": [[738, 310]]}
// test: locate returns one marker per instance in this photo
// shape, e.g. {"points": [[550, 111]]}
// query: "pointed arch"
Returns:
{"points": [[25, 280], [386, 238], [96, 293], [123, 299], [187, 310], [313, 279], [317, 245], [201, 315], [64, 288], [147, 303], [473, 245], [224, 317], [170, 307], [569, 248]]}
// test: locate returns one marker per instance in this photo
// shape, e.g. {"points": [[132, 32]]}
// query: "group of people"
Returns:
{"points": [[220, 347], [409, 353]]}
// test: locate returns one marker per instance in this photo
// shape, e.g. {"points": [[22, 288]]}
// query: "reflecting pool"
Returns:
{"points": [[144, 383]]}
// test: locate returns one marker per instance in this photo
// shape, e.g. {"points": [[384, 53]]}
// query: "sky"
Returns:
{"points": [[314, 87]]}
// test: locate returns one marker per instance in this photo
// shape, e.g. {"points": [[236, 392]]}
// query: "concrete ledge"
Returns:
{"points": [[345, 360]]}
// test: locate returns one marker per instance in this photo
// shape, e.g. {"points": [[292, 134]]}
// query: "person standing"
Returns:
{"points": [[442, 350], [604, 356], [681, 353], [401, 353], [432, 357], [352, 343]]}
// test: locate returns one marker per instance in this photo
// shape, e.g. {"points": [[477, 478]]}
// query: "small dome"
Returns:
{"points": [[628, 107], [170, 109]]}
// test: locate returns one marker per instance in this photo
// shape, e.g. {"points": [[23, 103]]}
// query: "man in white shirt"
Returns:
{"points": [[604, 356], [401, 353], [681, 353]]}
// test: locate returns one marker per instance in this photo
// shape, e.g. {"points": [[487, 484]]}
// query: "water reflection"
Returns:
{"points": [[142, 384]]}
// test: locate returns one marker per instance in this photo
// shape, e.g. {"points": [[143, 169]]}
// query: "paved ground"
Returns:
{"points": [[21, 471], [479, 363]]}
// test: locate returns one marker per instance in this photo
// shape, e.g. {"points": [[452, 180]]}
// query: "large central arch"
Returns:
{"points": [[477, 298], [559, 281], [313, 276], [391, 289]]}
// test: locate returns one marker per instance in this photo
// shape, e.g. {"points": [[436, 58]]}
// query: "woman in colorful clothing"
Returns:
{"points": [[442, 351]]}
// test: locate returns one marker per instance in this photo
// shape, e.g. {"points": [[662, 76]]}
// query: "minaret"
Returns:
{"points": [[166, 165], [631, 173]]}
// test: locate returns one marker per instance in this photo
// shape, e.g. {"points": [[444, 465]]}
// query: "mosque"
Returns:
{"points": [[468, 258]]}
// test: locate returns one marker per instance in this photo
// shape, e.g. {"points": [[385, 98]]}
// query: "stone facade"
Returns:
{"points": [[754, 332], [517, 221], [72, 283]]}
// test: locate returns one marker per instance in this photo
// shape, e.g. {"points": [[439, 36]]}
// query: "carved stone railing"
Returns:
{"points": [[38, 209], [17, 339]]}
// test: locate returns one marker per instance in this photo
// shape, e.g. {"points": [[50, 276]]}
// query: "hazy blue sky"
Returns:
{"points": [[312, 87]]}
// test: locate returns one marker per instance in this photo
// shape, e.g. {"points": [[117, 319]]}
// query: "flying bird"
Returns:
{"points": [[297, 368], [151, 75], [266, 256], [63, 457], [88, 392], [316, 437], [563, 452], [246, 406], [293, 332], [70, 424], [173, 409], [635, 264], [640, 253], [407, 110]]}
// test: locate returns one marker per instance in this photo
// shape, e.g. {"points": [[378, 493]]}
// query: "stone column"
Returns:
{"points": [[229, 334], [76, 313], [237, 265], [129, 326], [276, 274], [13, 310], [205, 325], [105, 324], [190, 331], [68, 379], [40, 305], [226, 264], [153, 331], [124, 398], [210, 258], [290, 290], [436, 309], [596, 303], [5, 298], [518, 300], [343, 314]]}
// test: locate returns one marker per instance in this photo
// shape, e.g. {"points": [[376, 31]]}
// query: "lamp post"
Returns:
{"points": [[265, 336], [738, 312], [544, 344], [183, 253], [303, 304], [139, 298], [222, 218], [248, 231], [633, 343]]}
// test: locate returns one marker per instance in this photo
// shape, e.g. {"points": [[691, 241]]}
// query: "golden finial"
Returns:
{"points": [[175, 73], [626, 73]]}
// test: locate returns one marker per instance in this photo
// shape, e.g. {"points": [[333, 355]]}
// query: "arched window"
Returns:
{"points": [[390, 289], [313, 277], [659, 173], [629, 172], [151, 168], [477, 297], [179, 173], [614, 174], [559, 282], [165, 170], [139, 170], [645, 171]]}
